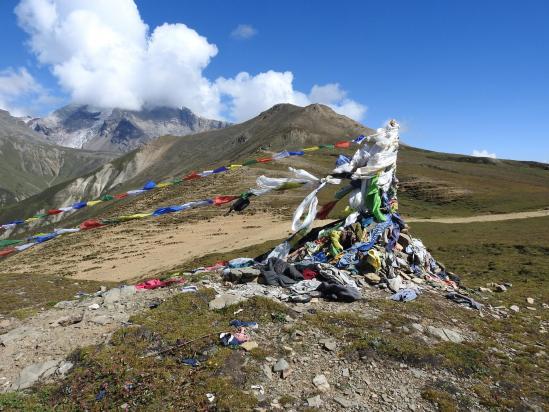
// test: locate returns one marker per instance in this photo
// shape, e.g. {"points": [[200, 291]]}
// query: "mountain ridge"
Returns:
{"points": [[117, 130], [28, 164]]}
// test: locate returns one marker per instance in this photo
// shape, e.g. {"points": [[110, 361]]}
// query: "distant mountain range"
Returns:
{"points": [[28, 164], [116, 130]]}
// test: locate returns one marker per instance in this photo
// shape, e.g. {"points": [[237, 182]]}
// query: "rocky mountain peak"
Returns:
{"points": [[117, 130]]}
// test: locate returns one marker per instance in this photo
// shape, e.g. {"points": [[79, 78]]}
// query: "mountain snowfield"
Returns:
{"points": [[117, 130]]}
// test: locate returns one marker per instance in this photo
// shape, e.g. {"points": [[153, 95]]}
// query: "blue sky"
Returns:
{"points": [[459, 76]]}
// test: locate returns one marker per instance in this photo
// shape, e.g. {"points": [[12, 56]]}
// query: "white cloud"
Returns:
{"points": [[249, 95], [483, 153], [332, 95], [17, 86], [103, 54], [243, 31]]}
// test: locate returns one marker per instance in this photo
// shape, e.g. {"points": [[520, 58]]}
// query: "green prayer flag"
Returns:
{"points": [[8, 242], [373, 200]]}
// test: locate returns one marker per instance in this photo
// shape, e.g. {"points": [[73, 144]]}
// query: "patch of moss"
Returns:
{"points": [[286, 400], [443, 400], [24, 313], [22, 295]]}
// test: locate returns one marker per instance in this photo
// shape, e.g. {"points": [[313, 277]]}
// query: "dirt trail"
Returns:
{"points": [[483, 218], [142, 248]]}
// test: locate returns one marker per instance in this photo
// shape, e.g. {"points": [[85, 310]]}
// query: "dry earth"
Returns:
{"points": [[142, 248], [137, 249]]}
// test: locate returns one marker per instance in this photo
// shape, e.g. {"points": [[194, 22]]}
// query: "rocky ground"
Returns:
{"points": [[319, 355], [36, 348]]}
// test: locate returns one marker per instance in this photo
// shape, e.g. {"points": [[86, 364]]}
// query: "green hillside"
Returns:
{"points": [[28, 164]]}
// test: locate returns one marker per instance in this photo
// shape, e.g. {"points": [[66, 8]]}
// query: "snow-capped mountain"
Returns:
{"points": [[116, 130]]}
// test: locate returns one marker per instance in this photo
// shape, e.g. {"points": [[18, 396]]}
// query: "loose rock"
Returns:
{"points": [[127, 291], [281, 365], [315, 401], [250, 345], [417, 327], [266, 369], [395, 284], [112, 296], [65, 304], [346, 403], [321, 383], [32, 373], [101, 320], [224, 300], [445, 334], [372, 278], [329, 344], [69, 320]]}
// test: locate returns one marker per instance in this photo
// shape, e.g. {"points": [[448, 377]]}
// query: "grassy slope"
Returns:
{"points": [[465, 185], [280, 126], [28, 168], [29, 165], [442, 185]]}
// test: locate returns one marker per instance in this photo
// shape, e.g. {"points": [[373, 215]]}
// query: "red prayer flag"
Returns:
{"points": [[7, 251], [90, 224], [325, 210], [54, 212], [192, 176], [221, 200], [265, 160], [343, 144], [121, 196]]}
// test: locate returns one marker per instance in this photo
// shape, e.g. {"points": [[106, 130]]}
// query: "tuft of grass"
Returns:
{"points": [[23, 295], [382, 337], [287, 400], [443, 400]]}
